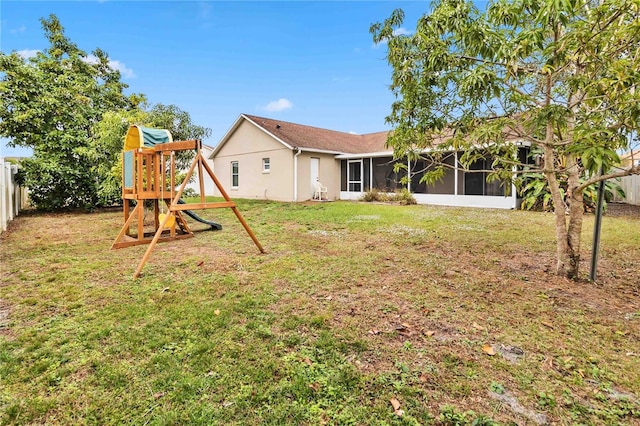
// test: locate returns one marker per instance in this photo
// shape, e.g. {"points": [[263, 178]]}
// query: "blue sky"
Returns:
{"points": [[307, 62]]}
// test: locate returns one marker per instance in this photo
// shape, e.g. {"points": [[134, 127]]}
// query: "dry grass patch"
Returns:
{"points": [[451, 313]]}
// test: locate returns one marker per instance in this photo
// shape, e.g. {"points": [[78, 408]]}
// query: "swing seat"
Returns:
{"points": [[170, 222]]}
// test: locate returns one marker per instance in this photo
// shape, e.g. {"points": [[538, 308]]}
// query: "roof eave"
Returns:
{"points": [[348, 156], [319, 151], [364, 154]]}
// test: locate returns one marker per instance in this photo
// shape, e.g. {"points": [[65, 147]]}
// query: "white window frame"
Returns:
{"points": [[236, 174], [266, 165], [349, 180]]}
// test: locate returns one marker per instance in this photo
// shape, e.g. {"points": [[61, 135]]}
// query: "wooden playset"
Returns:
{"points": [[149, 174]]}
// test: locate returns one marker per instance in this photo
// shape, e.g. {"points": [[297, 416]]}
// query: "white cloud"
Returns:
{"points": [[397, 32], [353, 133], [279, 105], [27, 53], [124, 70], [19, 30], [401, 31], [116, 65]]}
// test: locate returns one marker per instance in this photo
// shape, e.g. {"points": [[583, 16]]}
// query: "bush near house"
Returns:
{"points": [[401, 196]]}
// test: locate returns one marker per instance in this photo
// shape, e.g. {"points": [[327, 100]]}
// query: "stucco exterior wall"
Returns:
{"points": [[248, 145], [328, 173]]}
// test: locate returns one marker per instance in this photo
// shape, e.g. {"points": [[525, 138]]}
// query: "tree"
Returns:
{"points": [[105, 147], [560, 75], [51, 103]]}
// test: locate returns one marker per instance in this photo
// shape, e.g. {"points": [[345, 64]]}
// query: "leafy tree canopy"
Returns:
{"points": [[558, 75], [50, 103], [69, 107]]}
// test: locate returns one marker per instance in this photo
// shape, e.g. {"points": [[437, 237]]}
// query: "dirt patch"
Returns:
{"points": [[623, 210]]}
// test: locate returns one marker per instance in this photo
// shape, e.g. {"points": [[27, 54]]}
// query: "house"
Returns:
{"points": [[631, 158], [263, 158]]}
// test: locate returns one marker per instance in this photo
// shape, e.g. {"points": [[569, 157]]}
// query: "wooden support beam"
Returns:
{"points": [[125, 229], [180, 219], [152, 244], [138, 171], [129, 241], [235, 209], [156, 214], [140, 219], [248, 229], [126, 207], [176, 146], [200, 175], [201, 206]]}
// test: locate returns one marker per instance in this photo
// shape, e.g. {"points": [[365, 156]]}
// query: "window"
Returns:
{"points": [[266, 165], [235, 174]]}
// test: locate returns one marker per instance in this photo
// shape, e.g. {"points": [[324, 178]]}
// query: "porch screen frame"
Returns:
{"points": [[351, 182]]}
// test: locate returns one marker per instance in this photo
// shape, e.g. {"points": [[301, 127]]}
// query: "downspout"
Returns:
{"points": [[295, 174]]}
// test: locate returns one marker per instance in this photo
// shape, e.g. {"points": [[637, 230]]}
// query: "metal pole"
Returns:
{"points": [[596, 231]]}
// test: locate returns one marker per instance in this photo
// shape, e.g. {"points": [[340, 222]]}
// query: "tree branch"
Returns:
{"points": [[627, 172]]}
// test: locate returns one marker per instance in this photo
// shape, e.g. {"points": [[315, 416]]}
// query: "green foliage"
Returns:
{"points": [[50, 103], [402, 196], [536, 195], [189, 193], [450, 416], [374, 195], [546, 400], [69, 107], [559, 76], [497, 387], [478, 73]]}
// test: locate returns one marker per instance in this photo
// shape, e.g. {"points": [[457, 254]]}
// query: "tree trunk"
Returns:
{"points": [[563, 253], [576, 213]]}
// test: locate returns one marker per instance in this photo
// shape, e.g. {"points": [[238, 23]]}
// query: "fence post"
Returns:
{"points": [[3, 195], [11, 195]]}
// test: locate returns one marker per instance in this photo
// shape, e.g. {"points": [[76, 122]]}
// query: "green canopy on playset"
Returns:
{"points": [[145, 137], [141, 137]]}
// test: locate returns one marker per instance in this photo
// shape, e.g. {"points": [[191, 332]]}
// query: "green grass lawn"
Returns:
{"points": [[357, 314]]}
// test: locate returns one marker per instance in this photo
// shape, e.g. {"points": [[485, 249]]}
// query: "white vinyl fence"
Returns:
{"points": [[631, 187], [13, 197]]}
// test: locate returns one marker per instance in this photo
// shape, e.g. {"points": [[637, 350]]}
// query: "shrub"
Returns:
{"points": [[373, 195], [402, 196], [536, 195]]}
